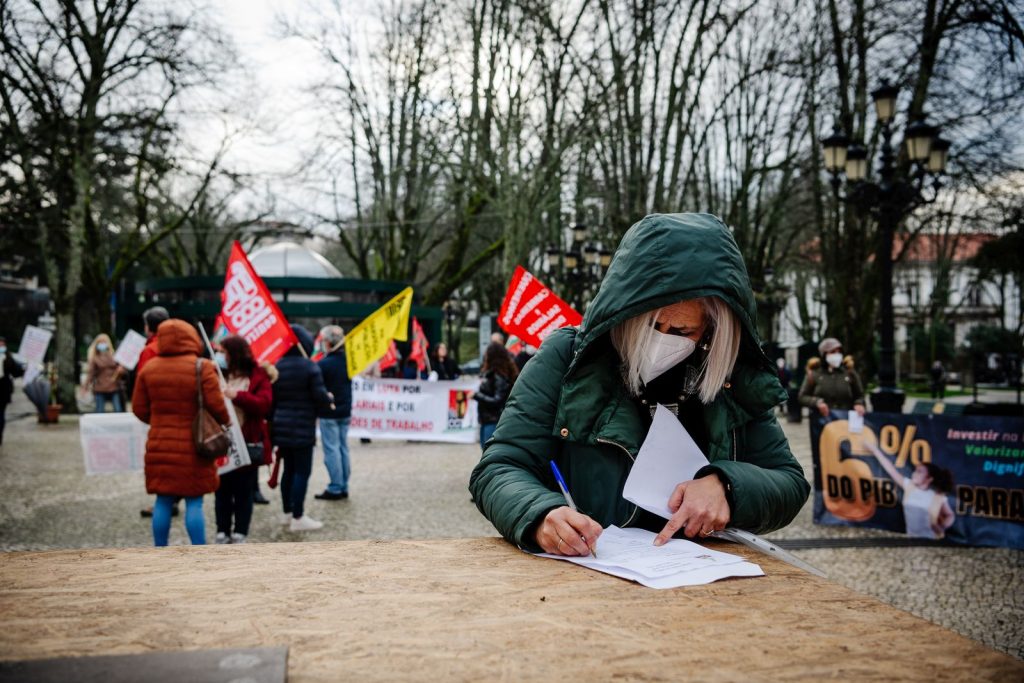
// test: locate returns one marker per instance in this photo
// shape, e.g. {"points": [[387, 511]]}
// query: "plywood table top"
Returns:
{"points": [[467, 610]]}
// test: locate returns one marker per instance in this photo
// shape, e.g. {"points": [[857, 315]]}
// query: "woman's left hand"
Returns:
{"points": [[699, 506], [859, 409], [230, 392]]}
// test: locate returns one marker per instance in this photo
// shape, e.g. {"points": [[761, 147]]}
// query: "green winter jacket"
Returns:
{"points": [[570, 404]]}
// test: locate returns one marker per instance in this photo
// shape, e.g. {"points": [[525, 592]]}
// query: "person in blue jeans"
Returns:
{"points": [[299, 396], [166, 397], [498, 373], [195, 524], [335, 420]]}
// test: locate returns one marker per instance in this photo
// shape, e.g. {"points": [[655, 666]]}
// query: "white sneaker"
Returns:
{"points": [[221, 538], [286, 518], [305, 523], [237, 538]]}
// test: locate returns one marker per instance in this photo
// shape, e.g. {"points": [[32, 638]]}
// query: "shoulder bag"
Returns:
{"points": [[210, 437]]}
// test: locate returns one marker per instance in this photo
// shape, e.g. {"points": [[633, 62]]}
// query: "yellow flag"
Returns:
{"points": [[369, 340]]}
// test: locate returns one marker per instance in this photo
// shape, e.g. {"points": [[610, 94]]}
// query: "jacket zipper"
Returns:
{"points": [[629, 455], [734, 443]]}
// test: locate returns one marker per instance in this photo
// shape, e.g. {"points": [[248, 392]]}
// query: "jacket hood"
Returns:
{"points": [[177, 337], [305, 338], [667, 258], [271, 371]]}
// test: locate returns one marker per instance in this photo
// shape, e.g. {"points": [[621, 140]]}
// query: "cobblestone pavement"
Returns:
{"points": [[418, 490]]}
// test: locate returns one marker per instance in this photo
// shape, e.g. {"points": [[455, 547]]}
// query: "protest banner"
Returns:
{"points": [[370, 339], [128, 352], [531, 311], [929, 476], [112, 442], [248, 310], [238, 454], [34, 342], [413, 409]]}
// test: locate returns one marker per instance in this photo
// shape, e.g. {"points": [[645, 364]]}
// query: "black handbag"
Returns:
{"points": [[255, 453]]}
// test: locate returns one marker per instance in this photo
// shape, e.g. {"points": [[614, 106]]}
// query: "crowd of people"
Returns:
{"points": [[277, 407], [653, 335]]}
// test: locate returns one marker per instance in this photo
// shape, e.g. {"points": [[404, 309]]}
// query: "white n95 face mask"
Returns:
{"points": [[666, 352], [834, 359]]}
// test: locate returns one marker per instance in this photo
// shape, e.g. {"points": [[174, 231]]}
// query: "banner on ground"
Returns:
{"points": [[34, 342], [131, 347], [116, 442], [928, 476], [531, 311], [414, 409], [370, 339], [248, 310], [112, 442]]}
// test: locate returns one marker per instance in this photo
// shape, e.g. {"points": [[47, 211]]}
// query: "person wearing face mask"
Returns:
{"points": [[9, 369], [249, 386], [674, 324], [833, 385], [103, 375]]}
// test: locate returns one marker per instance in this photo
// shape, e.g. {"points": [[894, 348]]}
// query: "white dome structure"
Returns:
{"points": [[289, 259]]}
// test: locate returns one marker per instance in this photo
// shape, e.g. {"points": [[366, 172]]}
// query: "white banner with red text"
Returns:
{"points": [[416, 410]]}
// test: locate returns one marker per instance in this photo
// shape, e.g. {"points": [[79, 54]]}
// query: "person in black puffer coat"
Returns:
{"points": [[499, 373], [299, 395]]}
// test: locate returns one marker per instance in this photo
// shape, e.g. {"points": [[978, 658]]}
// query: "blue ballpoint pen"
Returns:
{"points": [[569, 501]]}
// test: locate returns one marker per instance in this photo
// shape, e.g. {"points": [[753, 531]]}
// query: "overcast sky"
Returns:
{"points": [[274, 95]]}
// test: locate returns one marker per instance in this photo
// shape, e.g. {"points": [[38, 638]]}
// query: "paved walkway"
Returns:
{"points": [[418, 490]]}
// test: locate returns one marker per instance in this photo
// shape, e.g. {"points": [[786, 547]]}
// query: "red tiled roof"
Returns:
{"points": [[924, 249]]}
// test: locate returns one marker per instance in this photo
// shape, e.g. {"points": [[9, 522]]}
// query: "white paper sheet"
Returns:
{"points": [[131, 347], [631, 554], [855, 422], [668, 457]]}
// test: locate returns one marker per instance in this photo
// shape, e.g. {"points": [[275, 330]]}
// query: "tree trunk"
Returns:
{"points": [[66, 355]]}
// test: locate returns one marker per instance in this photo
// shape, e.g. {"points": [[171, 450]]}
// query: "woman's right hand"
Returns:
{"points": [[561, 531], [823, 408]]}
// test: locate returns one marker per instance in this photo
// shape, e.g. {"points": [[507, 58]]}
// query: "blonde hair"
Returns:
{"points": [[632, 339], [101, 337]]}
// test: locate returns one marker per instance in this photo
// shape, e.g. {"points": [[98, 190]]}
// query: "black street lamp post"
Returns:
{"points": [[451, 312], [888, 202], [580, 266]]}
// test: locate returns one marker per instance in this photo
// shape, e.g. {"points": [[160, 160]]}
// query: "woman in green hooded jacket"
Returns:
{"points": [[673, 324]]}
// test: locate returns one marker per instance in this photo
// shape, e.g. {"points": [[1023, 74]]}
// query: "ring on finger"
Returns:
{"points": [[559, 546], [707, 532]]}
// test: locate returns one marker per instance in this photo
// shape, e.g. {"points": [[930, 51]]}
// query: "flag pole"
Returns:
{"points": [[209, 347]]}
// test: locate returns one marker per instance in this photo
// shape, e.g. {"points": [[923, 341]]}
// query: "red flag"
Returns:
{"points": [[248, 310], [389, 359], [419, 345], [318, 349], [531, 311]]}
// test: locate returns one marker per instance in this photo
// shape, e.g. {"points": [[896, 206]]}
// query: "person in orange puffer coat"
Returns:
{"points": [[166, 398]]}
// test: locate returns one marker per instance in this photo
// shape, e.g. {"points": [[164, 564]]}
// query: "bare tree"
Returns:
{"points": [[86, 90]]}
